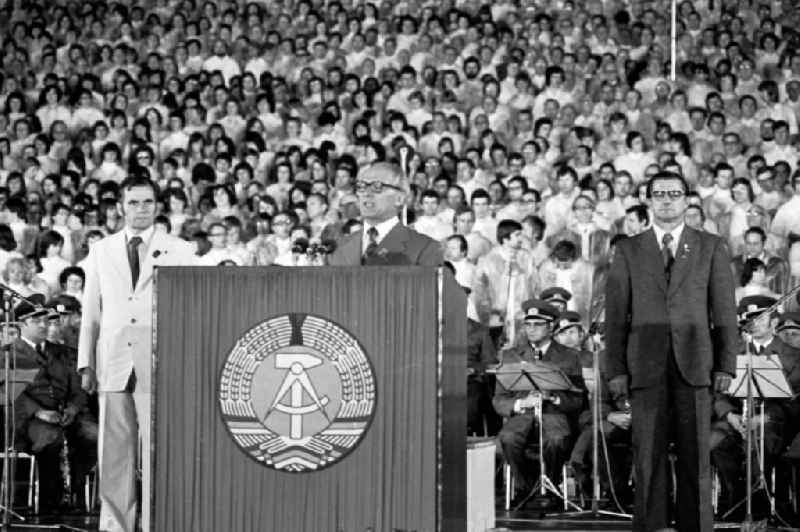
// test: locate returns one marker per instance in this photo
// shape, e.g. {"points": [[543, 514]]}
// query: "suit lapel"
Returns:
{"points": [[688, 249], [119, 256], [146, 269], [651, 254], [395, 241]]}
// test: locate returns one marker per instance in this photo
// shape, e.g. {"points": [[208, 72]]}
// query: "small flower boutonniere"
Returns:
{"points": [[685, 250]]}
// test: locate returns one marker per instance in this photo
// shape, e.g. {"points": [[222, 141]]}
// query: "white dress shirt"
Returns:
{"points": [[676, 236], [383, 229]]}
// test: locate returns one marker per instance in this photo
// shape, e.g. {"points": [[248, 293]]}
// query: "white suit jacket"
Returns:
{"points": [[116, 329]]}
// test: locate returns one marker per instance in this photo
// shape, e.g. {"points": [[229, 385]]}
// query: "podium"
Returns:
{"points": [[309, 399]]}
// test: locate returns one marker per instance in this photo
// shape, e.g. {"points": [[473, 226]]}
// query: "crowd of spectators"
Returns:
{"points": [[527, 130]]}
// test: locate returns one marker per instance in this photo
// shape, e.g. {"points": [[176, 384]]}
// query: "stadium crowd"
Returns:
{"points": [[526, 129]]}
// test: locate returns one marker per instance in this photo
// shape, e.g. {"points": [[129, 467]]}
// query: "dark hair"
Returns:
{"points": [[7, 240], [746, 182], [565, 250], [641, 213], [134, 182], [750, 267], [71, 270], [506, 228], [755, 230], [48, 238], [461, 241]]}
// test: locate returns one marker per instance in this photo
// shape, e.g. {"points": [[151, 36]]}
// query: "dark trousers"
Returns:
{"points": [[46, 441], [672, 411], [521, 429], [482, 420]]}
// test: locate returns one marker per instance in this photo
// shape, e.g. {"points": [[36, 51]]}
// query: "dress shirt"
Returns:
{"points": [[676, 236], [383, 229], [146, 236], [33, 346]]}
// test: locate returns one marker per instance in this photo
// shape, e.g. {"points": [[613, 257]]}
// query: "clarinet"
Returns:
{"points": [[66, 473]]}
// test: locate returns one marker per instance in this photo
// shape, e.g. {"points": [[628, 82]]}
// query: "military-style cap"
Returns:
{"points": [[557, 294], [536, 309], [64, 304], [567, 319], [752, 306], [31, 307], [788, 321]]}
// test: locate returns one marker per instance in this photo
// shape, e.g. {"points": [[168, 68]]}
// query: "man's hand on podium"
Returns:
{"points": [[88, 380]]}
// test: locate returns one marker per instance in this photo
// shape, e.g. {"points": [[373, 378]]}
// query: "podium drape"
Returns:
{"points": [[403, 474]]}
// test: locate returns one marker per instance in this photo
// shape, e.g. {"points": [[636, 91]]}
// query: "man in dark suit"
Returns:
{"points": [[671, 336], [559, 409], [51, 406], [384, 241]]}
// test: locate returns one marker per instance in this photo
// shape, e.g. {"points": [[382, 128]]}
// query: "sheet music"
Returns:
{"points": [[768, 381]]}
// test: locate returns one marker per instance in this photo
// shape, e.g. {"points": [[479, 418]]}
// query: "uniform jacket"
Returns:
{"points": [[694, 316], [402, 246], [568, 360], [56, 386], [117, 321]]}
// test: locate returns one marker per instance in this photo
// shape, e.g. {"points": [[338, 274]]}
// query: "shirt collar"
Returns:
{"points": [[145, 235], [676, 234], [383, 228], [33, 346]]}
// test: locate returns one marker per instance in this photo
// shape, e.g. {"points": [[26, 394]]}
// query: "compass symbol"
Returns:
{"points": [[295, 384]]}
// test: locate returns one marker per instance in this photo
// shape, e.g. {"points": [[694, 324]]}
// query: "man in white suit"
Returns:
{"points": [[115, 348]]}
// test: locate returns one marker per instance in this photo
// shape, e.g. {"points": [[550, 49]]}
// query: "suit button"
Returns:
{"points": [[133, 320], [129, 344], [130, 299]]}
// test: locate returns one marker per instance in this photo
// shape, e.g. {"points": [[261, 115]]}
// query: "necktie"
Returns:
{"points": [[372, 242], [666, 252], [133, 258], [40, 350]]}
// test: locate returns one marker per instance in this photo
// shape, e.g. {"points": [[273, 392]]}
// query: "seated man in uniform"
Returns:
{"points": [[728, 429], [50, 407], [559, 409]]}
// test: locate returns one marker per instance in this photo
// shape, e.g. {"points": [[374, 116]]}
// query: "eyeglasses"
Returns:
{"points": [[673, 194], [376, 187], [218, 234]]}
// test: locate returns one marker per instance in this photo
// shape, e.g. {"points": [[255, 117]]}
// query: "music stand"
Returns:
{"points": [[537, 378], [757, 378], [593, 375]]}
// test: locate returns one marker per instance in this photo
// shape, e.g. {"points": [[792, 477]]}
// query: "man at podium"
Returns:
{"points": [[558, 407], [383, 240], [727, 442]]}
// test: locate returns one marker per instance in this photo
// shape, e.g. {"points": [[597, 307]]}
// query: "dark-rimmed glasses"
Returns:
{"points": [[376, 187]]}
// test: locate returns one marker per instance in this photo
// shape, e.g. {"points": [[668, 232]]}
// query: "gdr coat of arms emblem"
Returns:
{"points": [[297, 392]]}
